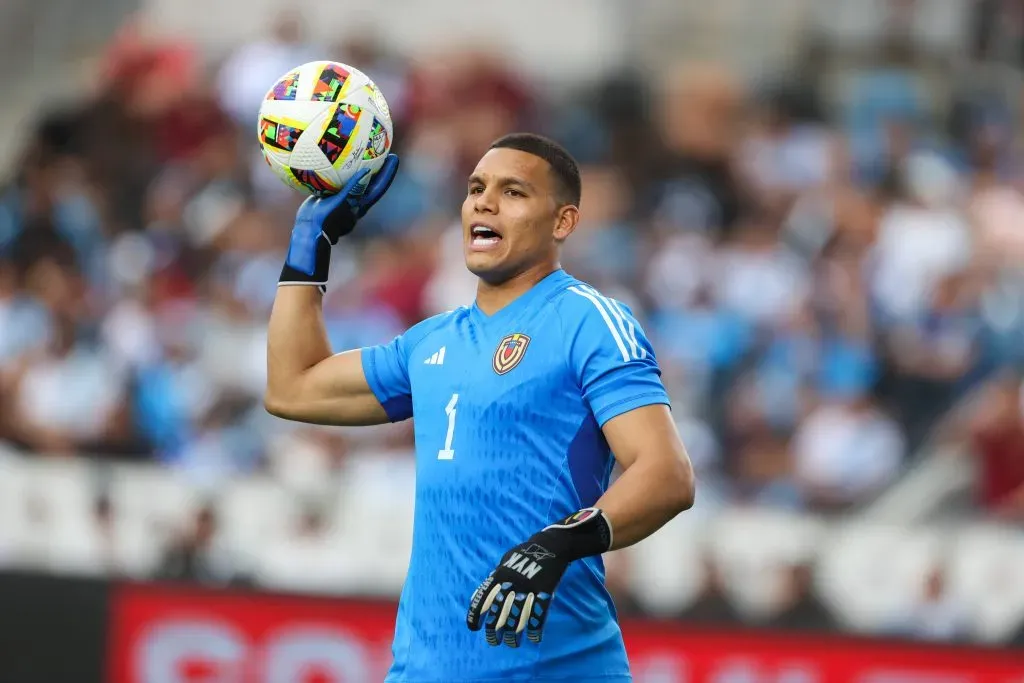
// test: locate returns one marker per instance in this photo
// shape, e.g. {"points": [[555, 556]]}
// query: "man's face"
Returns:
{"points": [[511, 218]]}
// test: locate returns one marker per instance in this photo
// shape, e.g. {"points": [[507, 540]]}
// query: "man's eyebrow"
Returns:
{"points": [[513, 180], [504, 181]]}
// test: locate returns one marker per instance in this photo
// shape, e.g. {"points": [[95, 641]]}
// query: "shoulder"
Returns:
{"points": [[423, 329], [591, 316], [580, 304]]}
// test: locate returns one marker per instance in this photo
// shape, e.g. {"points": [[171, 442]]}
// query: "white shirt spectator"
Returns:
{"points": [[916, 248], [762, 285], [130, 333], [249, 73], [678, 269], [75, 394], [848, 452]]}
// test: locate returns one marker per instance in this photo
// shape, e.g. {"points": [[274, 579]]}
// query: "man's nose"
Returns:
{"points": [[485, 203]]}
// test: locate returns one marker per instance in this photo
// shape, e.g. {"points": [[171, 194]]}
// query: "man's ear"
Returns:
{"points": [[568, 219]]}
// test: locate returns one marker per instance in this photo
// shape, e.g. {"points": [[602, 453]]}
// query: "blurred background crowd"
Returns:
{"points": [[828, 257]]}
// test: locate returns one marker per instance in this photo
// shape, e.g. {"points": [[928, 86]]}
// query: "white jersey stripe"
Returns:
{"points": [[607, 321], [632, 328], [610, 304]]}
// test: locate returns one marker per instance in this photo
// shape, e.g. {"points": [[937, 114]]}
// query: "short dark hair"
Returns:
{"points": [[563, 165]]}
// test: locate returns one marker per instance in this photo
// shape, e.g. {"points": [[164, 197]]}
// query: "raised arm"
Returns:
{"points": [[305, 381]]}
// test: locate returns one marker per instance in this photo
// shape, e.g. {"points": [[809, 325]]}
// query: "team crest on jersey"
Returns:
{"points": [[510, 351]]}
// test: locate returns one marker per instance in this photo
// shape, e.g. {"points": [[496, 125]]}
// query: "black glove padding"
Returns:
{"points": [[516, 596]]}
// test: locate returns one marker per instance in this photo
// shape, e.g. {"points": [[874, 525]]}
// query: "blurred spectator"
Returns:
{"points": [[450, 285], [306, 458], [782, 155], [694, 186], [798, 607], [992, 422], [764, 473], [706, 340], [99, 551], [303, 560], [712, 605], [932, 353], [223, 443], [757, 277], [24, 323], [936, 614], [884, 105], [606, 252], [198, 555], [247, 74], [846, 451], [922, 238], [69, 397]]}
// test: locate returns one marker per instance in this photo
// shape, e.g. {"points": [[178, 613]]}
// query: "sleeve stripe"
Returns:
{"points": [[632, 328], [607, 321], [620, 318]]}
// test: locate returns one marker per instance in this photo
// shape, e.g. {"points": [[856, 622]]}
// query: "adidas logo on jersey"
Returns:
{"points": [[436, 359]]}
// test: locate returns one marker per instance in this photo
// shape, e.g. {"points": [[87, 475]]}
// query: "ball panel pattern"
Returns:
{"points": [[330, 83], [322, 122]]}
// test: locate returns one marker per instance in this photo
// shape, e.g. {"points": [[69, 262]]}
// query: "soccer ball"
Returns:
{"points": [[321, 123]]}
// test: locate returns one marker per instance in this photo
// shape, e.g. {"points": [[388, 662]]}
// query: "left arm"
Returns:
{"points": [[620, 382], [657, 481], [657, 484]]}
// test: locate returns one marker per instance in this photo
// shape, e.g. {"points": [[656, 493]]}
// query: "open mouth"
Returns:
{"points": [[484, 236]]}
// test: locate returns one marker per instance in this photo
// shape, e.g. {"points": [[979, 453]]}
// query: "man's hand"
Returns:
{"points": [[321, 221], [516, 595]]}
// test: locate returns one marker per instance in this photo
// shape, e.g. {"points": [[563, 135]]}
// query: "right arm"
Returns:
{"points": [[305, 381]]}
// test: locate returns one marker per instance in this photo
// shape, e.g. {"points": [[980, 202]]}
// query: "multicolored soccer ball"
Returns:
{"points": [[321, 123]]}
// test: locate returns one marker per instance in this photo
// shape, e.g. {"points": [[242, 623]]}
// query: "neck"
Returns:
{"points": [[491, 298]]}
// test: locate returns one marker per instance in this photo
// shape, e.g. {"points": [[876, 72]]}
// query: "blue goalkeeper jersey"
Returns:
{"points": [[508, 413]]}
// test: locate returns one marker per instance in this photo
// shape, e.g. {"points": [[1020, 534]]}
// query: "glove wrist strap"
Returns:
{"points": [[588, 532], [308, 261]]}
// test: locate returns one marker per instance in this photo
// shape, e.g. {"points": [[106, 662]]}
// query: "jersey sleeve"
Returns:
{"points": [[610, 355], [386, 370]]}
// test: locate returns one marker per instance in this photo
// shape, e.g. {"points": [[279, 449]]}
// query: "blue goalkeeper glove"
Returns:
{"points": [[321, 221], [515, 597]]}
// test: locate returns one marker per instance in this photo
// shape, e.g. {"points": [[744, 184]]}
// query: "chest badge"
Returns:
{"points": [[510, 351]]}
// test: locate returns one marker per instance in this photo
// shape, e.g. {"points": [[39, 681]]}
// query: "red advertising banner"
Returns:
{"points": [[180, 635], [680, 655], [164, 634]]}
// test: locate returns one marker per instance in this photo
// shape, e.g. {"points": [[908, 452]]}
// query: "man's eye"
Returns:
{"points": [[476, 189], [514, 193]]}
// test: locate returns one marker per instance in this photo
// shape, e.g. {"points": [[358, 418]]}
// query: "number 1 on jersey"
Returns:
{"points": [[447, 453]]}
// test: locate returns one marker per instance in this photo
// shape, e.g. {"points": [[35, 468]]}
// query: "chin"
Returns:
{"points": [[486, 267]]}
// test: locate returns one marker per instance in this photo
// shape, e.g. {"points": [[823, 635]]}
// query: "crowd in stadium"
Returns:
{"points": [[822, 288]]}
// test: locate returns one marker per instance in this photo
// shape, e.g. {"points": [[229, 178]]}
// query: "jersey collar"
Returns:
{"points": [[525, 301]]}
